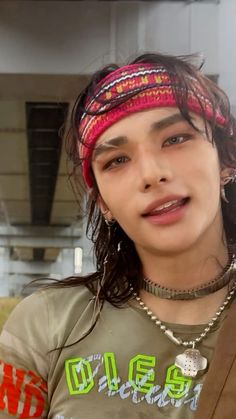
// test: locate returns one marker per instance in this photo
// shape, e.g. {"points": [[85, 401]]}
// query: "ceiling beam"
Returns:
{"points": [[40, 237]]}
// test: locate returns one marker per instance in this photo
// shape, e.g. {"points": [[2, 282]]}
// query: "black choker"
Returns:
{"points": [[205, 289]]}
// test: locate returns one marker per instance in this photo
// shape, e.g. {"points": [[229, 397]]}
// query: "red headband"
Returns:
{"points": [[154, 89]]}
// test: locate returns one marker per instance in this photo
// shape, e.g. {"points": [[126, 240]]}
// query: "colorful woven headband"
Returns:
{"points": [[154, 88]]}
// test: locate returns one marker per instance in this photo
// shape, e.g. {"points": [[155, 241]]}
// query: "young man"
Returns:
{"points": [[150, 334]]}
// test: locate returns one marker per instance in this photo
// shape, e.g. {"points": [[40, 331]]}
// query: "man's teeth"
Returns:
{"points": [[166, 205]]}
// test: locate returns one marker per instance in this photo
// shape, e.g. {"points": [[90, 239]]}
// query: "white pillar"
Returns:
{"points": [[4, 277]]}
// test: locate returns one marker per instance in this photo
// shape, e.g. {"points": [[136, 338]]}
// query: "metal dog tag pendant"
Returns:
{"points": [[190, 362]]}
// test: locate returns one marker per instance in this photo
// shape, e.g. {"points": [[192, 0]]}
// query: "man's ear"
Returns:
{"points": [[104, 208], [227, 174]]}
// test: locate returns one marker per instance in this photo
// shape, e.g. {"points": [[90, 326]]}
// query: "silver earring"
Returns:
{"points": [[222, 194], [119, 247], [227, 179], [110, 223], [231, 178]]}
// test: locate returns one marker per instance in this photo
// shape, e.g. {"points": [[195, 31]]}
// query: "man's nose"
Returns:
{"points": [[153, 170]]}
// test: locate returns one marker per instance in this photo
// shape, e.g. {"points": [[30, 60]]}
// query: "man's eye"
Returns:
{"points": [[117, 161], [178, 139]]}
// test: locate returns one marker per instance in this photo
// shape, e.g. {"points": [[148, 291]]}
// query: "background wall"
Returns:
{"points": [[226, 48], [69, 37]]}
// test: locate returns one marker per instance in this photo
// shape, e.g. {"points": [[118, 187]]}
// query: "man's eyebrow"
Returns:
{"points": [[167, 122], [121, 140], [112, 143]]}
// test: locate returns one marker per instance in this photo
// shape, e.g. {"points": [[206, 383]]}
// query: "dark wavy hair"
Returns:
{"points": [[117, 271]]}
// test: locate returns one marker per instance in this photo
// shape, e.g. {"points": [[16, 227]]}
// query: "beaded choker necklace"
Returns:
{"points": [[190, 361], [191, 294]]}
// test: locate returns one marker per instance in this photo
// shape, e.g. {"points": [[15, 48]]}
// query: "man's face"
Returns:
{"points": [[160, 179]]}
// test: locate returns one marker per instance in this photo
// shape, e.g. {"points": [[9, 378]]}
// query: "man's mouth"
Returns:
{"points": [[167, 207]]}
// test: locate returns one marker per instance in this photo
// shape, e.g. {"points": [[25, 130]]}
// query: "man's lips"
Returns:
{"points": [[165, 205]]}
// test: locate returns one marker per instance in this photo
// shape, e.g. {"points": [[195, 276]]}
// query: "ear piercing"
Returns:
{"points": [[227, 179]]}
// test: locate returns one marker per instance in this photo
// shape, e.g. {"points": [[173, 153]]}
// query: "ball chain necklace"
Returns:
{"points": [[190, 361]]}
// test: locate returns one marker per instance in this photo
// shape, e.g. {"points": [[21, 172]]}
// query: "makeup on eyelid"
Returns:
{"points": [[113, 163], [172, 123]]}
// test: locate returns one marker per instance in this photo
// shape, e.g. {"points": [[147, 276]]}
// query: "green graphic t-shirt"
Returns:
{"points": [[124, 369]]}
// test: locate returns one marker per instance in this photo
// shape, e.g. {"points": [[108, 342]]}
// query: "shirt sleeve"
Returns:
{"points": [[24, 353]]}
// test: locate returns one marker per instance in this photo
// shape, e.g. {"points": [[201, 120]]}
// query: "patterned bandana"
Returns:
{"points": [[144, 86]]}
